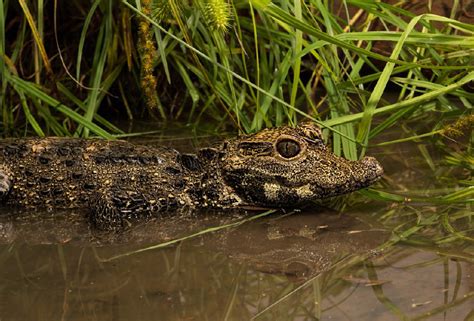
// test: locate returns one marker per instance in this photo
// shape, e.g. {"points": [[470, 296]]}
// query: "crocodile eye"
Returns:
{"points": [[288, 148]]}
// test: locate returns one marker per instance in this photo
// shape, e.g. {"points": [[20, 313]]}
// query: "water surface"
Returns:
{"points": [[314, 264]]}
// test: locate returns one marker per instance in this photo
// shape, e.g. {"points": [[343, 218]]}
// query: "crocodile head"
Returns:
{"points": [[285, 166]]}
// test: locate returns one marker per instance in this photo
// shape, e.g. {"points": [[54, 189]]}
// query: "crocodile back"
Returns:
{"points": [[68, 172]]}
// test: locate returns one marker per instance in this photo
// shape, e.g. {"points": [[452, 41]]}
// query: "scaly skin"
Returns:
{"points": [[117, 181]]}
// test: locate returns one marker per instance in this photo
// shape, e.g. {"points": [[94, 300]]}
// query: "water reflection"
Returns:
{"points": [[271, 268], [192, 282]]}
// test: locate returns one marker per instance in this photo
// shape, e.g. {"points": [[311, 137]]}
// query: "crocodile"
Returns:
{"points": [[118, 181]]}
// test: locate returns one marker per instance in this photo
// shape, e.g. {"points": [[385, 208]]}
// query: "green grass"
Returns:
{"points": [[261, 70]]}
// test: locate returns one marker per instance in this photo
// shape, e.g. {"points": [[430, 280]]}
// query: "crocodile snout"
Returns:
{"points": [[373, 166], [370, 171]]}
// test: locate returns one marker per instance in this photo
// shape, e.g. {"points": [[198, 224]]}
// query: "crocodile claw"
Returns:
{"points": [[5, 183]]}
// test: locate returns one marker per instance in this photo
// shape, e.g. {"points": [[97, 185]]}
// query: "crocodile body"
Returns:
{"points": [[117, 180]]}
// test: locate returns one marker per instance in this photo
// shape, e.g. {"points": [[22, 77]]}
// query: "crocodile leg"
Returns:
{"points": [[111, 209], [5, 182]]}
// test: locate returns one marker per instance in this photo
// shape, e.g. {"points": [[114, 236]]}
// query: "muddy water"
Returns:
{"points": [[315, 264]]}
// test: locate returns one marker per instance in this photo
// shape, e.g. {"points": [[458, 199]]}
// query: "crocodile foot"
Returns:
{"points": [[112, 209], [5, 183]]}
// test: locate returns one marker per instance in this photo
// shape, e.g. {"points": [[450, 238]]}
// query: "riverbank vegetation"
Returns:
{"points": [[72, 69]]}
